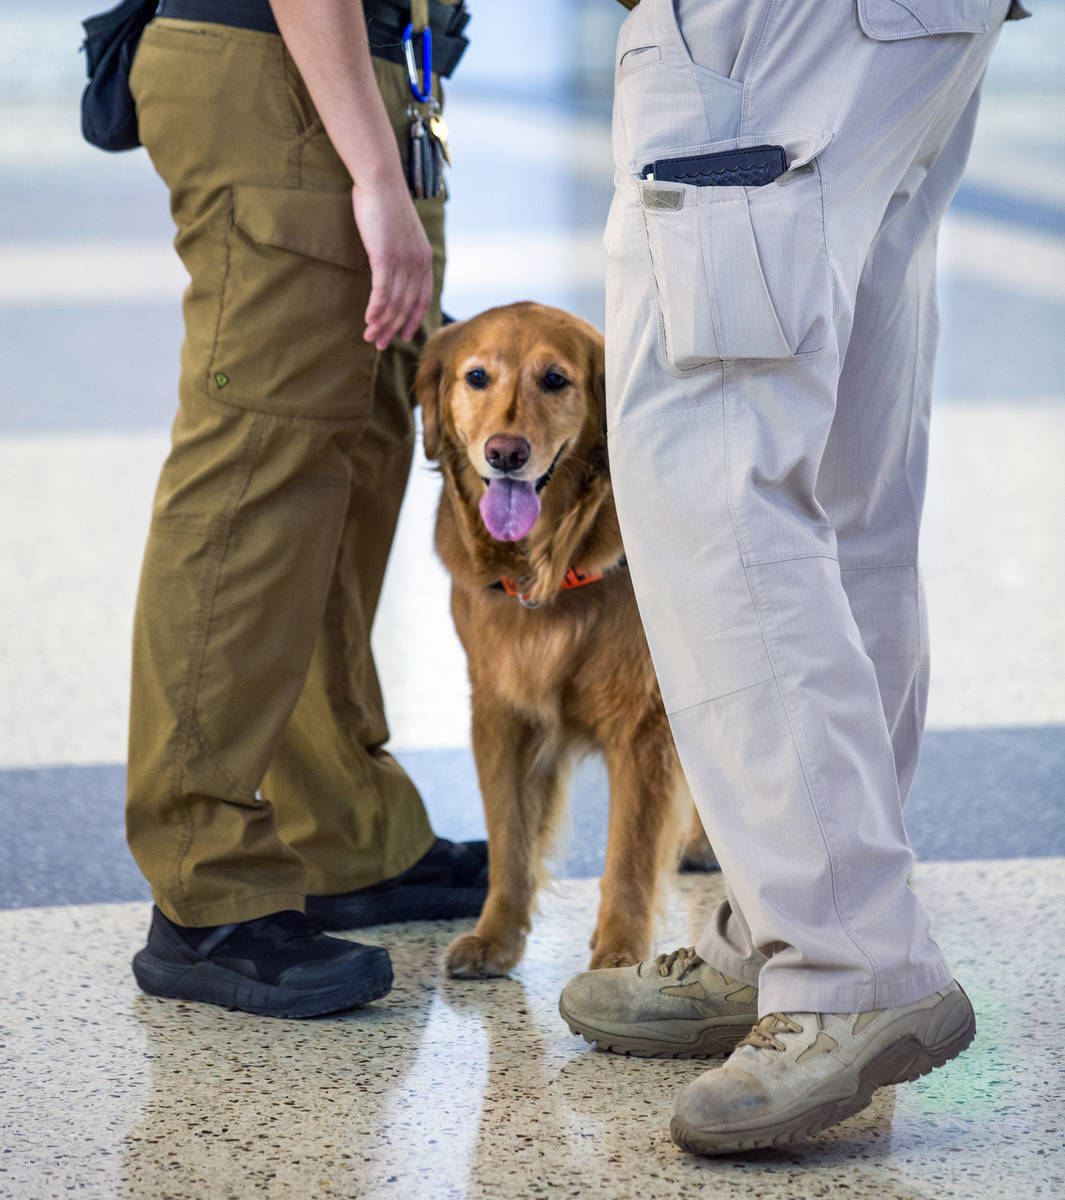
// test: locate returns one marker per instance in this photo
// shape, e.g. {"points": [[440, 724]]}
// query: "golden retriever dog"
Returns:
{"points": [[513, 411]]}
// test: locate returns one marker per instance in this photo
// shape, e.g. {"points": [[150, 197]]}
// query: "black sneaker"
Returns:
{"points": [[277, 966], [451, 880]]}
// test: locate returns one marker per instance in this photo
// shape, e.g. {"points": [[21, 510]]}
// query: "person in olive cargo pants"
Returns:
{"points": [[258, 788]]}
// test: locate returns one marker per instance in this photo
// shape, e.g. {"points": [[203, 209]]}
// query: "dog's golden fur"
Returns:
{"points": [[571, 674]]}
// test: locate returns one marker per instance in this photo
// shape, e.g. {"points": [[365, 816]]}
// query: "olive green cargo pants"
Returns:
{"points": [[256, 769]]}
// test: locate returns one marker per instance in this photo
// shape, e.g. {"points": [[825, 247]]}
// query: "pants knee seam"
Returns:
{"points": [[674, 712], [771, 656]]}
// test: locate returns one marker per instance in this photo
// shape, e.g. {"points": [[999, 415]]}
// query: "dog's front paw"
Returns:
{"points": [[473, 957], [612, 958]]}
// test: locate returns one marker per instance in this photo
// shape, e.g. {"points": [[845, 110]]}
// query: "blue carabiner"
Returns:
{"points": [[427, 62]]}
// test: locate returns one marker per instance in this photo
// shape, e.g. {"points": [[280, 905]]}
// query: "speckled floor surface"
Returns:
{"points": [[477, 1090], [466, 1089]]}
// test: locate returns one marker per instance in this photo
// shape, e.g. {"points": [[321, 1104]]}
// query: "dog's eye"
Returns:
{"points": [[554, 382], [477, 378]]}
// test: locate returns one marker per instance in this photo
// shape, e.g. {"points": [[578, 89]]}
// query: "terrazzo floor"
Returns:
{"points": [[477, 1089], [462, 1089]]}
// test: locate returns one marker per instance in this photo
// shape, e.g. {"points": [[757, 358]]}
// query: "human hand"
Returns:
{"points": [[401, 260]]}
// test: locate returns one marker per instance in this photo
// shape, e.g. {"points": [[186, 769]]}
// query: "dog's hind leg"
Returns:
{"points": [[641, 839], [522, 788]]}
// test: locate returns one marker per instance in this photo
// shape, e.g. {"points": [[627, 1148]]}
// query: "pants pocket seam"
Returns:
{"points": [[188, 725], [206, 381]]}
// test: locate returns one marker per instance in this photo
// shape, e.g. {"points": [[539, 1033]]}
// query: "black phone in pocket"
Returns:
{"points": [[753, 167]]}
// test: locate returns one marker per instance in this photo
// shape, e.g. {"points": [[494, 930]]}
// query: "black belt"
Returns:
{"points": [[385, 22]]}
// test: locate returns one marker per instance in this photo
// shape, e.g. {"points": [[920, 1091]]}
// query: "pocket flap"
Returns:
{"points": [[891, 20], [803, 148], [317, 224]]}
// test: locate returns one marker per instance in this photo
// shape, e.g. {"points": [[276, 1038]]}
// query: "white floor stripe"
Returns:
{"points": [[131, 271], [1009, 257], [994, 571]]}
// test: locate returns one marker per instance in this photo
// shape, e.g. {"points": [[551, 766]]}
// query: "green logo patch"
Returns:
{"points": [[221, 379]]}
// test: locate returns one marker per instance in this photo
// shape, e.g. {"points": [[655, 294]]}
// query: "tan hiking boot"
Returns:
{"points": [[797, 1073], [674, 1007]]}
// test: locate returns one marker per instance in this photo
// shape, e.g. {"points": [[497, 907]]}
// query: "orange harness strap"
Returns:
{"points": [[574, 579]]}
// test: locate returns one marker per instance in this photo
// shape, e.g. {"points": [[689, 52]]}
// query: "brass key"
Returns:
{"points": [[438, 128]]}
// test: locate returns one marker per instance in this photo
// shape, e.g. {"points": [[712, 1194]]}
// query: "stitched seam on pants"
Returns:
{"points": [[659, 315], [918, 687], [886, 566], [349, 424], [789, 715], [920, 295], [793, 725], [769, 562], [287, 894], [700, 217], [751, 71], [720, 696], [187, 723], [216, 762], [657, 418], [361, 754], [179, 525], [221, 295]]}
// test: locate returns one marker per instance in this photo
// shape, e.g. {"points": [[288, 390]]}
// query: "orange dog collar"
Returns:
{"points": [[574, 579]]}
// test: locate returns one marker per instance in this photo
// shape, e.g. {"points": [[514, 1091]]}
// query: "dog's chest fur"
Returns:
{"points": [[566, 663]]}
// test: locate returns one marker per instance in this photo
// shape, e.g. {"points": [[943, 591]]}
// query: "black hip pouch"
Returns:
{"points": [[108, 114]]}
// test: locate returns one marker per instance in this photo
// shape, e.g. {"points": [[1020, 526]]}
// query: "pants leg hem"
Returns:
{"points": [[396, 864], [744, 970], [229, 912], [805, 995]]}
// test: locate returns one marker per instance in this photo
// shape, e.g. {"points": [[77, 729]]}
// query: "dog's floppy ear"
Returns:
{"points": [[431, 380], [597, 375]]}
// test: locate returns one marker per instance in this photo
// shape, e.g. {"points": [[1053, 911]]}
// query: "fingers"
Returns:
{"points": [[409, 289], [394, 290], [398, 301], [401, 263], [423, 297]]}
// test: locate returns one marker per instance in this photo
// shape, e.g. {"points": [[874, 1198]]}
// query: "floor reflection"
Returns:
{"points": [[457, 1088]]}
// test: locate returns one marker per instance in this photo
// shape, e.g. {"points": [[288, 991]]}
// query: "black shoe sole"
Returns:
{"points": [[209, 983], [411, 903]]}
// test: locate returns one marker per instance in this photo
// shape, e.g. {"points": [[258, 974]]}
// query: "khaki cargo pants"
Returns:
{"points": [[256, 768], [769, 375]]}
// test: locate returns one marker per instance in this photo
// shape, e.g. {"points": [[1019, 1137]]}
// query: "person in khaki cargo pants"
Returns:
{"points": [[262, 807], [770, 339]]}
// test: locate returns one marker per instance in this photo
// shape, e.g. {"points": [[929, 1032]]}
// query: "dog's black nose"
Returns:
{"points": [[507, 453]]}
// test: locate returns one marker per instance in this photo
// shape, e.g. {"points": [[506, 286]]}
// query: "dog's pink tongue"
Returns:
{"points": [[509, 509]]}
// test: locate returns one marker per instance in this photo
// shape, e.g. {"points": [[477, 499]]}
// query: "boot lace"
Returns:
{"points": [[762, 1035], [685, 958]]}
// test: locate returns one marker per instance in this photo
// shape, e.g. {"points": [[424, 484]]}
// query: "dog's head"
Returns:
{"points": [[510, 396]]}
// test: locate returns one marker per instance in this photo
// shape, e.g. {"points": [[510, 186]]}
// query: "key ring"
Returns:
{"points": [[427, 62]]}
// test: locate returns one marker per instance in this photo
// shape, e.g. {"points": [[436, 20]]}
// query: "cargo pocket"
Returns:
{"points": [[289, 335], [742, 272], [894, 20]]}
